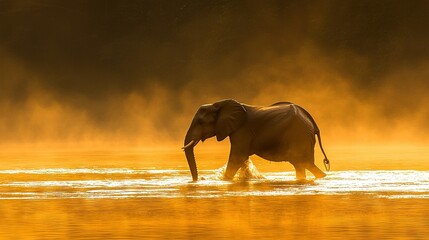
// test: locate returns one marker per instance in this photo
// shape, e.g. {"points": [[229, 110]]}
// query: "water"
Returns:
{"points": [[123, 183], [126, 195]]}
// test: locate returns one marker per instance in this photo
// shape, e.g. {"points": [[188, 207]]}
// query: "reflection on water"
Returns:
{"points": [[111, 195], [143, 183]]}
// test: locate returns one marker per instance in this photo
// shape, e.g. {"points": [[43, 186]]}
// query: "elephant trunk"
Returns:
{"points": [[189, 152]]}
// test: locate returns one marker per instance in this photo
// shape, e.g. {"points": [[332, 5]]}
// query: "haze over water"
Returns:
{"points": [[148, 194]]}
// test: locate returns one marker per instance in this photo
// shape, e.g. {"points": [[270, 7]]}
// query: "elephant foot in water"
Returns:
{"points": [[247, 171], [301, 174]]}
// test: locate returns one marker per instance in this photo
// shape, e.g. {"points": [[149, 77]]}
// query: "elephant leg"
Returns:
{"points": [[300, 172], [235, 162], [231, 169], [316, 171]]}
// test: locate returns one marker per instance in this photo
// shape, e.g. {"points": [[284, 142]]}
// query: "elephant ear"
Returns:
{"points": [[231, 115]]}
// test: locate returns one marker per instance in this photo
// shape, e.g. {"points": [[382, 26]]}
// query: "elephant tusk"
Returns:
{"points": [[188, 145]]}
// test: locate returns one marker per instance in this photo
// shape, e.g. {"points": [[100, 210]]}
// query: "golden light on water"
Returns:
{"points": [[129, 194]]}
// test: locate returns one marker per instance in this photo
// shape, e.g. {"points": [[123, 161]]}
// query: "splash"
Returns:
{"points": [[247, 172]]}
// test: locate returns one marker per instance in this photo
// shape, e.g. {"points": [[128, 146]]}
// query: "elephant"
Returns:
{"points": [[281, 132]]}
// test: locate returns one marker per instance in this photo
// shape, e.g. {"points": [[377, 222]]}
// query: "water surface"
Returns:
{"points": [[117, 183], [141, 194]]}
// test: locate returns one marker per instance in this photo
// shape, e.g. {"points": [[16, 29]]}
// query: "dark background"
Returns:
{"points": [[133, 72]]}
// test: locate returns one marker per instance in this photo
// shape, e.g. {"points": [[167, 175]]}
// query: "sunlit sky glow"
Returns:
{"points": [[132, 74]]}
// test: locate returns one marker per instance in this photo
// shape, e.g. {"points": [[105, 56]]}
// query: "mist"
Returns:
{"points": [[133, 73]]}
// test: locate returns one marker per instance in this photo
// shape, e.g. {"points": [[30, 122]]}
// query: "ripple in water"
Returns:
{"points": [[151, 183]]}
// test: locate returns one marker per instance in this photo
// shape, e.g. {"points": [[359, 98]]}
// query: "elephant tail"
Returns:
{"points": [[326, 160], [317, 132]]}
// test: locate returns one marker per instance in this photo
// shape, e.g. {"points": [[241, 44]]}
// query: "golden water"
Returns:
{"points": [[371, 192]]}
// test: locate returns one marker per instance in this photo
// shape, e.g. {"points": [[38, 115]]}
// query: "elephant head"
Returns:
{"points": [[219, 119]]}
